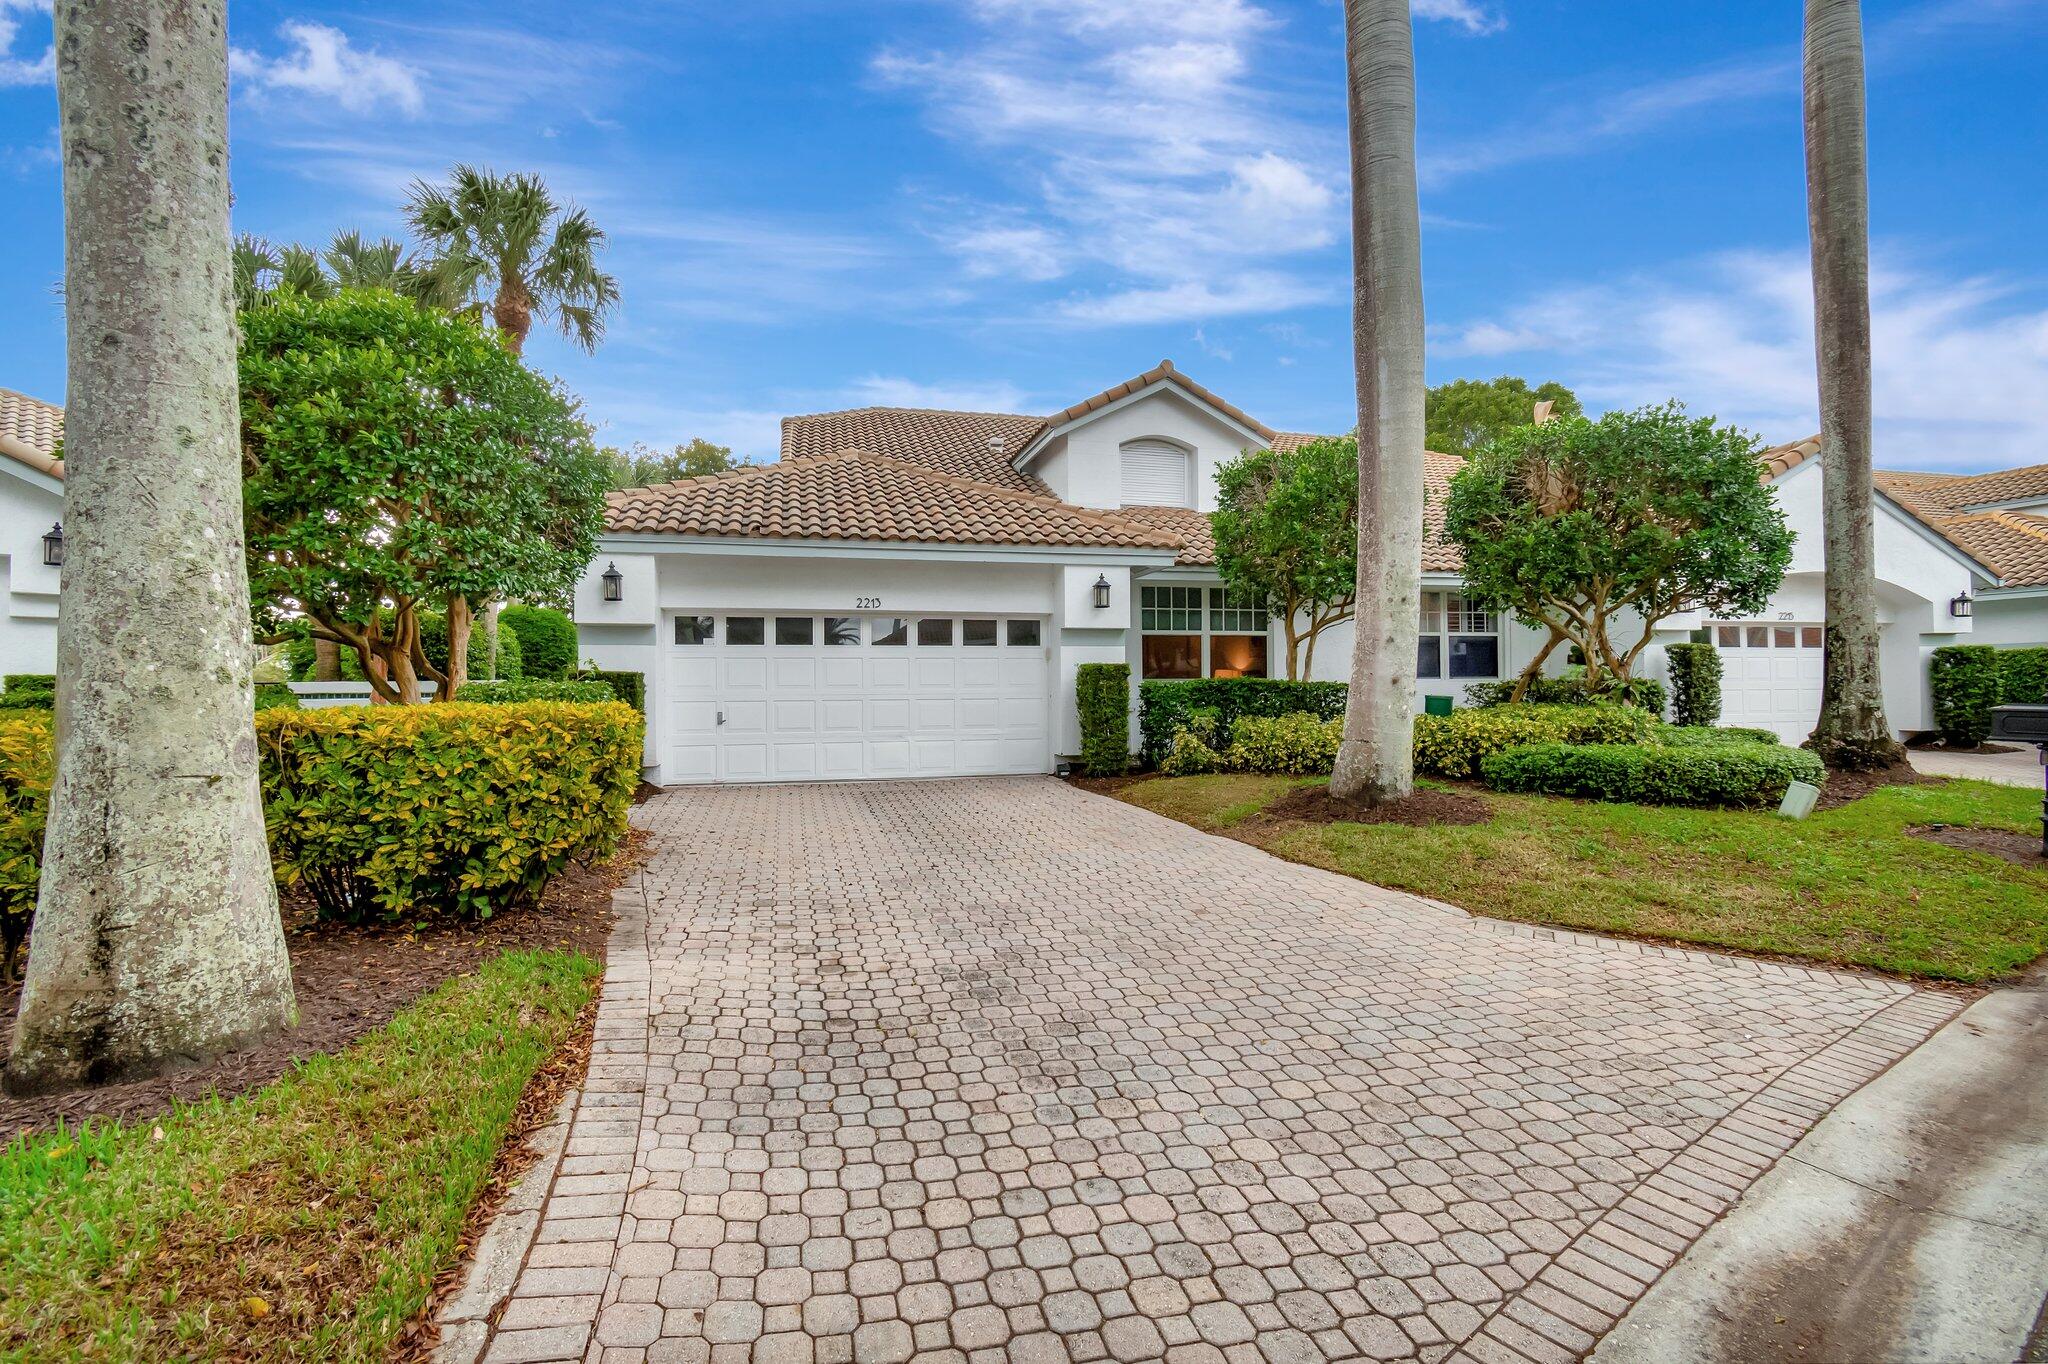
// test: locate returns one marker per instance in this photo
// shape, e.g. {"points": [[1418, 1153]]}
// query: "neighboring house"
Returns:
{"points": [[31, 505]]}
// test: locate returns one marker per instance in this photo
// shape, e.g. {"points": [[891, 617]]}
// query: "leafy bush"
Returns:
{"points": [[1646, 693], [1164, 706], [2022, 676], [434, 644], [1695, 683], [1191, 756], [1454, 745], [1731, 773], [29, 691], [535, 689], [1103, 692], [1699, 736], [27, 763], [547, 639], [1298, 745], [1966, 682], [628, 687], [275, 696], [399, 811]]}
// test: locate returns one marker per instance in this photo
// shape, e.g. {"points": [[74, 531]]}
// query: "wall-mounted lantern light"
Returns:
{"points": [[53, 546], [1102, 593], [1960, 606], [614, 584]]}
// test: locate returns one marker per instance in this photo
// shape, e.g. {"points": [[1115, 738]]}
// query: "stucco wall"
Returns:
{"points": [[29, 504], [1085, 466], [2011, 621]]}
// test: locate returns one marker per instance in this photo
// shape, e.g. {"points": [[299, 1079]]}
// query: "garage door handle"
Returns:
{"points": [[721, 717]]}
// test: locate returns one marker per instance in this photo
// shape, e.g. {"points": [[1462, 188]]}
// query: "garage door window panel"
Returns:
{"points": [[1023, 634], [891, 630], [841, 631], [934, 632], [978, 633], [746, 629], [694, 630], [794, 631]]}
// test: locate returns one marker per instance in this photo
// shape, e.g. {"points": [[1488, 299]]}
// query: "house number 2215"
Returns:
{"points": [[866, 603]]}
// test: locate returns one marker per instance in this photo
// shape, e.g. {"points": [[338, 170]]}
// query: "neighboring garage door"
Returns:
{"points": [[769, 697], [1770, 675]]}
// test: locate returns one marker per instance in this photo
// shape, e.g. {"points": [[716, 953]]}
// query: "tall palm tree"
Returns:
{"points": [[156, 937], [1852, 731], [503, 243], [1376, 760]]}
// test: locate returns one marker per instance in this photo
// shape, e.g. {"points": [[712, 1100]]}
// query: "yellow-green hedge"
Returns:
{"points": [[450, 809], [26, 748], [1455, 745]]}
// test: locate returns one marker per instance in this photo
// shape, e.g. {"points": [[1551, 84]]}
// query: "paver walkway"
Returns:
{"points": [[2020, 767], [1002, 1072]]}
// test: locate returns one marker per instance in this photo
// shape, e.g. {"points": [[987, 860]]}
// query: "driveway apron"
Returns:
{"points": [[999, 1071]]}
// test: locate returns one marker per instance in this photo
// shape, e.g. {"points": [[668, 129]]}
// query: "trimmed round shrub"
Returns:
{"points": [[547, 639], [2022, 677], [1966, 682], [534, 689], [1735, 773], [1692, 736], [1454, 745], [628, 687], [397, 811], [27, 764], [1103, 694], [1296, 745], [1695, 683]]}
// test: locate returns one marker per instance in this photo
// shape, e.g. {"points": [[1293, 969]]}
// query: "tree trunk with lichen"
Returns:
{"points": [[1852, 731], [156, 940], [1376, 760]]}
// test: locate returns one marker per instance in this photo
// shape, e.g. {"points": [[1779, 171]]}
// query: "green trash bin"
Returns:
{"points": [[1436, 705]]}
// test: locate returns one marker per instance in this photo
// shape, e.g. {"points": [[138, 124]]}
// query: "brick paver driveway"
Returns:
{"points": [[999, 1071]]}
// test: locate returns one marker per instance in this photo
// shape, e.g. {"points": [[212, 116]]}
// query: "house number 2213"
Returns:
{"points": [[866, 603]]}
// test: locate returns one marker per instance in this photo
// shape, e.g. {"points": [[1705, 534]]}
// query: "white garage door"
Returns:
{"points": [[768, 697], [1770, 675]]}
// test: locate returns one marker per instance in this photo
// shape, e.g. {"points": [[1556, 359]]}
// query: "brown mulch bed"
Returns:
{"points": [[2022, 850], [1108, 786], [1424, 809], [543, 1095], [1843, 787], [349, 981]]}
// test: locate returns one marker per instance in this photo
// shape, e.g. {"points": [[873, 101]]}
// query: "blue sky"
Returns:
{"points": [[1012, 204]]}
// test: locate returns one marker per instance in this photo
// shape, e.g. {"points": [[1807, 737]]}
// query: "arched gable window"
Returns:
{"points": [[1157, 473]]}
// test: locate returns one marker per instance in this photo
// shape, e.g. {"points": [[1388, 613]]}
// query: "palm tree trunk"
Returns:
{"points": [[1852, 731], [1376, 760], [156, 938]]}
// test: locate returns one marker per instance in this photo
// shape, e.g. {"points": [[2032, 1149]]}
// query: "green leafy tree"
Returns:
{"points": [[643, 466], [504, 245], [1589, 526], [1465, 414], [546, 637], [395, 460], [1286, 526], [262, 272]]}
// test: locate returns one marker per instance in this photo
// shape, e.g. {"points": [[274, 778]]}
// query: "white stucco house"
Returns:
{"points": [[910, 592], [31, 505]]}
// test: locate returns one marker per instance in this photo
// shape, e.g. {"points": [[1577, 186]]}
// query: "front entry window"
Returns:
{"points": [[1200, 632], [1457, 638]]}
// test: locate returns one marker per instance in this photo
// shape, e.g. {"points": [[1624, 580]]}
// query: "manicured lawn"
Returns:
{"points": [[306, 1220], [1845, 887]]}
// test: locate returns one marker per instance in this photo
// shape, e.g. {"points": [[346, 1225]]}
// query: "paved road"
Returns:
{"points": [[1003, 1072]]}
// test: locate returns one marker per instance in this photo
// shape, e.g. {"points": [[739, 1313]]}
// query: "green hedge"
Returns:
{"points": [[1695, 683], [29, 691], [1297, 745], [1699, 736], [399, 811], [1966, 682], [1454, 745], [1164, 706], [628, 687], [27, 746], [1644, 692], [275, 696], [1730, 773], [2022, 676], [1103, 693], [547, 639], [534, 689]]}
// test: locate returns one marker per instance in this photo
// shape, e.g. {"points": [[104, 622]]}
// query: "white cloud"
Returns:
{"points": [[1960, 365], [16, 70], [877, 390], [1169, 167], [1472, 18], [322, 63]]}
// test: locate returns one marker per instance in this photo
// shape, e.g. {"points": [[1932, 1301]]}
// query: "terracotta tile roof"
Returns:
{"points": [[29, 431], [857, 495], [1163, 370], [1197, 535], [1780, 460], [1283, 441], [976, 445], [2013, 544], [1972, 492]]}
